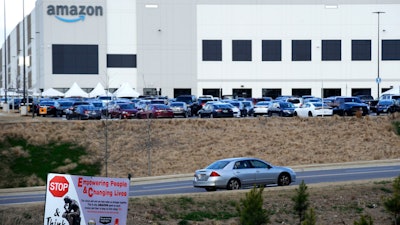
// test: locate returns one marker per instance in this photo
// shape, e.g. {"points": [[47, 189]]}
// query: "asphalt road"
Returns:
{"points": [[182, 184]]}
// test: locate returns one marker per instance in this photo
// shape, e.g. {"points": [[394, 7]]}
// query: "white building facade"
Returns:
{"points": [[243, 48]]}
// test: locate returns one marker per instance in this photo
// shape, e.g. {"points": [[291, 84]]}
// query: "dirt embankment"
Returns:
{"points": [[180, 146]]}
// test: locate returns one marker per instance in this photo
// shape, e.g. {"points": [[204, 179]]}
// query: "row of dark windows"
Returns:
{"points": [[271, 50], [84, 59]]}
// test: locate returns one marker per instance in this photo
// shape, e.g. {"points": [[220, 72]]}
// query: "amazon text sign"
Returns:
{"points": [[73, 13]]}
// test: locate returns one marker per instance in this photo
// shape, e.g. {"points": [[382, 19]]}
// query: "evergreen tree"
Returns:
{"points": [[251, 210], [300, 200], [309, 217]]}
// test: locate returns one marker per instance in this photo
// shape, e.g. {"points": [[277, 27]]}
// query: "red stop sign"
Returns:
{"points": [[58, 186]]}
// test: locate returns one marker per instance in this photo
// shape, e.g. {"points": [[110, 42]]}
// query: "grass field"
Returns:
{"points": [[180, 146]]}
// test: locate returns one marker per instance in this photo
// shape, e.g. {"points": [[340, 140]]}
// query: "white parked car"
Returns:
{"points": [[313, 109], [261, 108]]}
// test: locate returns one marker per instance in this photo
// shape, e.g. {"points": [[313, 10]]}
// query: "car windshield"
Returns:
{"points": [[352, 100], [127, 106], [62, 103], [176, 104], [287, 105], [237, 104], [262, 103], [217, 165], [246, 104], [219, 106], [97, 104], [184, 99], [319, 104], [160, 106], [47, 103]]}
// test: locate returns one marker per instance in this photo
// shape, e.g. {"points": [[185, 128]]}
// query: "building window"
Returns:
{"points": [[241, 50], [301, 50], [271, 50], [331, 50], [215, 92], [361, 50], [182, 91], [273, 93], [121, 61], [301, 91], [390, 49], [75, 59], [212, 50], [241, 92]]}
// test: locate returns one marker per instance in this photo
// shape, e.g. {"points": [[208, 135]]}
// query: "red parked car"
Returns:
{"points": [[155, 111], [123, 111]]}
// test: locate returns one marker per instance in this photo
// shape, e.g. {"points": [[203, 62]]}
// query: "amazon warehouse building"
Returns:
{"points": [[244, 48]]}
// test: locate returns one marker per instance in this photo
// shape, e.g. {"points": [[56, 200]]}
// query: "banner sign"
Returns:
{"points": [[83, 200]]}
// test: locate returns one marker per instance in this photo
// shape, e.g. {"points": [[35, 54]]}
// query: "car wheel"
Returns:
{"points": [[377, 113], [310, 114], [120, 116], [284, 179], [211, 115], [233, 184], [269, 113], [211, 189], [281, 114], [295, 114]]}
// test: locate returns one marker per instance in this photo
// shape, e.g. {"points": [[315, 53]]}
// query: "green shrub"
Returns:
{"points": [[392, 204], [364, 220], [301, 201], [251, 210]]}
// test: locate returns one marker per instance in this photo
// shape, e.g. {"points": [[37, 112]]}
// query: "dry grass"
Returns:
{"points": [[181, 146]]}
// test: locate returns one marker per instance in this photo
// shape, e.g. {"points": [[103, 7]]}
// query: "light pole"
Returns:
{"points": [[5, 56], [378, 79], [23, 51]]}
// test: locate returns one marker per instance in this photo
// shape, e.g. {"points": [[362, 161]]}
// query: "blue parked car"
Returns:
{"points": [[281, 108], [83, 112], [387, 106]]}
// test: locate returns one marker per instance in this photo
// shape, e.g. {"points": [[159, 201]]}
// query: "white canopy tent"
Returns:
{"points": [[98, 91], [75, 91], [126, 91], [51, 92]]}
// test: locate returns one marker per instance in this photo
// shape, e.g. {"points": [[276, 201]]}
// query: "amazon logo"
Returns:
{"points": [[73, 13]]}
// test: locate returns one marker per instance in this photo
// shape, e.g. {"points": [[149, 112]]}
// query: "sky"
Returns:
{"points": [[13, 14]]}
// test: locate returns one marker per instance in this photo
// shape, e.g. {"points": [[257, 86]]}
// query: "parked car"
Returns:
{"points": [[48, 107], [348, 106], [236, 173], [180, 109], [281, 108], [297, 102], [216, 109], [123, 111], [240, 106], [155, 111], [83, 112], [387, 106], [313, 109], [64, 106], [261, 108]]}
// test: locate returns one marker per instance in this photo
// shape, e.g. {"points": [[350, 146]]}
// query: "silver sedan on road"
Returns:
{"points": [[235, 173]]}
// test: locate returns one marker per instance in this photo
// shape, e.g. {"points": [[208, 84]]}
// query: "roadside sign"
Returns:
{"points": [[74, 199]]}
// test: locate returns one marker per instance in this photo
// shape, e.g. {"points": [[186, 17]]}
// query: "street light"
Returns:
{"points": [[378, 79]]}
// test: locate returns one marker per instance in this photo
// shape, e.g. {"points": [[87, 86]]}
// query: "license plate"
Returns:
{"points": [[225, 111]]}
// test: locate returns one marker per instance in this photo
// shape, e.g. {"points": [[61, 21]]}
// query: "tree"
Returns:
{"points": [[309, 217], [251, 210], [300, 200], [393, 204]]}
